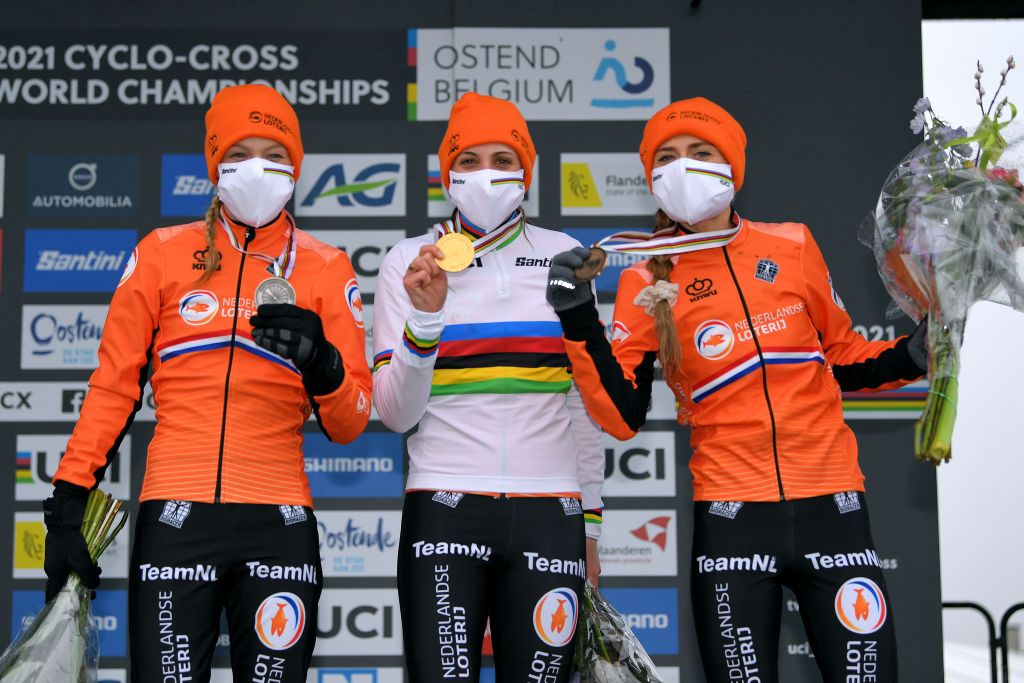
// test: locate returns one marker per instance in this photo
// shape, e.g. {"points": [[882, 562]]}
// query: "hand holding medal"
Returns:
{"points": [[425, 280]]}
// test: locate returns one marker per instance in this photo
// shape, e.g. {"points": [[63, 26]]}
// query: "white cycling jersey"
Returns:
{"points": [[486, 379]]}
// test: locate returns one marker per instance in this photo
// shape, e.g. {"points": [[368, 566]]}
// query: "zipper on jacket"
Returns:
{"points": [[250, 233], [764, 373]]}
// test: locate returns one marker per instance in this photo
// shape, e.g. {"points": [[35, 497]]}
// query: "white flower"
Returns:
{"points": [[917, 123], [923, 105]]}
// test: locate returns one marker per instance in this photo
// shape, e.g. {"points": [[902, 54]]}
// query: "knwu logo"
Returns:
{"points": [[351, 185]]}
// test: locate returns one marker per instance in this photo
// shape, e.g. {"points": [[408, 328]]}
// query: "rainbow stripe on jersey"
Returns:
{"points": [[512, 357], [777, 355]]}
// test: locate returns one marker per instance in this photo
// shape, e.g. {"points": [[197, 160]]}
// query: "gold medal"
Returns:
{"points": [[274, 290], [458, 252], [592, 266]]}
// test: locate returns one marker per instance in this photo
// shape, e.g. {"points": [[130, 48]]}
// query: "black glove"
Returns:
{"points": [[66, 550], [298, 334], [564, 290], [917, 344]]}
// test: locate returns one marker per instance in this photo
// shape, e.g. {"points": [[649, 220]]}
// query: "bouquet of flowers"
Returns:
{"points": [[606, 649], [945, 234], [61, 643]]}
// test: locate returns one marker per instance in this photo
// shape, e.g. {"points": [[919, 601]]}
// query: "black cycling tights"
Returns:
{"points": [[464, 558], [821, 549]]}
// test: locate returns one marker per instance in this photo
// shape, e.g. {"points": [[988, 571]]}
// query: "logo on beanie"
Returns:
{"points": [[255, 117], [521, 139], [453, 144], [211, 142], [691, 114]]}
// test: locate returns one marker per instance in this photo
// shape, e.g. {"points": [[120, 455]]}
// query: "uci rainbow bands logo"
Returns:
{"points": [[198, 307], [554, 617], [280, 621], [860, 606], [713, 339]]}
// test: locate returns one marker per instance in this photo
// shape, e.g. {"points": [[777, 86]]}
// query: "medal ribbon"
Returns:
{"points": [[284, 264], [484, 242], [667, 241]]}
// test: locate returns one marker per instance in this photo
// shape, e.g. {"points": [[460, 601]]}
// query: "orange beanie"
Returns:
{"points": [[478, 119], [250, 111], [701, 118]]}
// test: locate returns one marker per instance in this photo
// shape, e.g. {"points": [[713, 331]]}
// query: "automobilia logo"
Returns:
{"points": [[99, 184]]}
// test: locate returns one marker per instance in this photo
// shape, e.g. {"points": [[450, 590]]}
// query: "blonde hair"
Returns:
{"points": [[669, 351], [212, 255]]}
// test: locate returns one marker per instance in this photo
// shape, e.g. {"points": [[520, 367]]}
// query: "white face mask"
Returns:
{"points": [[255, 190], [691, 191], [487, 197]]}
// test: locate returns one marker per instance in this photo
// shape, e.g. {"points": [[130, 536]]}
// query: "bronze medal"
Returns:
{"points": [[592, 266]]}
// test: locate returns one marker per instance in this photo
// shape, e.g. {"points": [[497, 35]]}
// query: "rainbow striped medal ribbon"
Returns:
{"points": [[460, 251], [667, 241], [276, 289]]}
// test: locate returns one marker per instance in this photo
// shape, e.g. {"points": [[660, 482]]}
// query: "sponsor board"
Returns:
{"points": [[369, 467], [639, 543], [54, 402], [29, 544], [359, 621], [643, 466], [335, 674], [61, 337], [111, 676], [439, 204], [37, 457], [365, 249], [109, 614], [651, 613], [81, 185], [174, 74], [549, 73], [608, 280], [605, 185], [359, 542], [76, 260], [351, 185], [185, 188]]}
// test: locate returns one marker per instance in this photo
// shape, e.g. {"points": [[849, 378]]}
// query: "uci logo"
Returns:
{"points": [[198, 307], [860, 606], [554, 617], [713, 339], [280, 621], [374, 186]]}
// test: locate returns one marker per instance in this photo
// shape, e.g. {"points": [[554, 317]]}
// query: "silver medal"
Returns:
{"points": [[275, 290]]}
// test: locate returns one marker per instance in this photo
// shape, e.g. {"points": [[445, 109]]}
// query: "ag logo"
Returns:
{"points": [[554, 617], [280, 621], [860, 606], [198, 307], [351, 185], [713, 339], [355, 301]]}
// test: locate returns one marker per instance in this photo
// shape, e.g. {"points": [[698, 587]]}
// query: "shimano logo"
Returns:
{"points": [[56, 260]]}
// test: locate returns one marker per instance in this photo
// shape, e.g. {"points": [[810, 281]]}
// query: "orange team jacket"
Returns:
{"points": [[767, 346], [229, 413]]}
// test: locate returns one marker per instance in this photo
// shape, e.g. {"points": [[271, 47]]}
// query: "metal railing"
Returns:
{"points": [[998, 649]]}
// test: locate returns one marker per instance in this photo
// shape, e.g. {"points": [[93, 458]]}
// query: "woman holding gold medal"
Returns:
{"points": [[505, 464], [756, 345], [241, 355]]}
